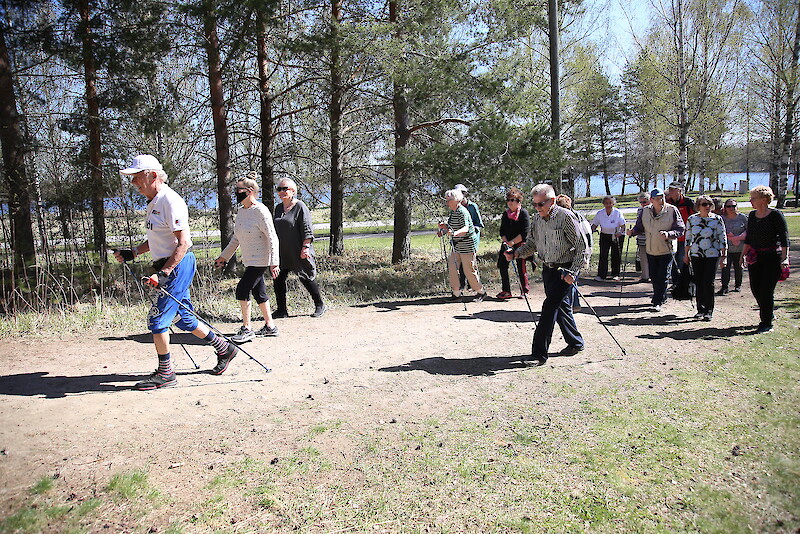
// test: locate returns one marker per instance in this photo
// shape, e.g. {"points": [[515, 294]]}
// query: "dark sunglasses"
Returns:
{"points": [[541, 204], [730, 205], [512, 200], [644, 202], [281, 188], [705, 204]]}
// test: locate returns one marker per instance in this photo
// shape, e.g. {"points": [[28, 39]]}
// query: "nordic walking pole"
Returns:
{"points": [[125, 263], [624, 269], [521, 289], [601, 321], [220, 334], [443, 250]]}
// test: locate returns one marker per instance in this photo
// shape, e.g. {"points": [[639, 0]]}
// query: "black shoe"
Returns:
{"points": [[224, 359], [723, 291], [571, 350], [764, 329], [266, 331], [453, 298], [737, 289], [319, 310], [156, 381], [280, 313], [480, 296], [535, 361]]}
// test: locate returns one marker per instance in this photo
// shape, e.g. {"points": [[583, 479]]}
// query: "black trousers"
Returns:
{"points": [[555, 309], [735, 261], [252, 282], [522, 269], [614, 244], [705, 271], [280, 289], [764, 275]]}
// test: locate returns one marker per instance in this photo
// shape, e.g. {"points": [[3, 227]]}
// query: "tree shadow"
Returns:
{"points": [[56, 387], [709, 333], [394, 305], [481, 366], [648, 320]]}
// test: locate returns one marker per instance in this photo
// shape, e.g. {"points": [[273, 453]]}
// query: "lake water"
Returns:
{"points": [[729, 182]]}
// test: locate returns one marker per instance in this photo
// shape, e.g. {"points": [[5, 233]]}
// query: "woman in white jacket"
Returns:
{"points": [[254, 231]]}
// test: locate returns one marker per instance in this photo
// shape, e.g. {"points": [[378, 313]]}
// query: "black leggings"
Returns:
{"points": [[280, 289], [252, 282], [764, 275]]}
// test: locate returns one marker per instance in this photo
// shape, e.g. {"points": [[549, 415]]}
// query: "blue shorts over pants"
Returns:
{"points": [[165, 309]]}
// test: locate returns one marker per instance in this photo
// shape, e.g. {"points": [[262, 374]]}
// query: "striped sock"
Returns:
{"points": [[219, 344], [165, 365]]}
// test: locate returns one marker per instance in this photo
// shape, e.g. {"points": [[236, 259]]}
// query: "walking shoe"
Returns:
{"points": [[224, 359], [319, 310], [280, 313], [764, 329], [453, 298], [615, 278], [155, 381], [535, 361], [722, 291], [571, 350], [737, 289], [698, 315], [243, 335], [656, 307], [266, 331], [480, 296], [599, 279], [707, 317], [503, 295]]}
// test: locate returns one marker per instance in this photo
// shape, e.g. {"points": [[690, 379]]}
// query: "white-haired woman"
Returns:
{"points": [[293, 224], [255, 233], [459, 226]]}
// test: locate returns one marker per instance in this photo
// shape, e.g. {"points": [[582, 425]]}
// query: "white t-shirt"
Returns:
{"points": [[166, 213], [609, 224]]}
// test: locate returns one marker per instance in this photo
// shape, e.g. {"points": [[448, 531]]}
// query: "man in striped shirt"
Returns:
{"points": [[556, 241]]}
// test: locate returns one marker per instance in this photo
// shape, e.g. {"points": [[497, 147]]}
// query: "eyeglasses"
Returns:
{"points": [[512, 200], [542, 204], [281, 188], [643, 202], [705, 204], [730, 205]]}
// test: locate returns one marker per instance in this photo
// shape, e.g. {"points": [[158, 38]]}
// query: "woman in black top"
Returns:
{"points": [[293, 225], [514, 227], [766, 251]]}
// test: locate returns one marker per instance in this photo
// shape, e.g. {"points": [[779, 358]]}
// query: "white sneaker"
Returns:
{"points": [[599, 279]]}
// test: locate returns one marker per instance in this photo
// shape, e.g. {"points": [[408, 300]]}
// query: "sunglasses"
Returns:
{"points": [[542, 204], [281, 188], [512, 200], [705, 204], [643, 202], [730, 205]]}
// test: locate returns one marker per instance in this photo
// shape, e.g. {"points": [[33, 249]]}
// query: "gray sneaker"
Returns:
{"points": [[155, 381], [266, 331], [243, 335]]}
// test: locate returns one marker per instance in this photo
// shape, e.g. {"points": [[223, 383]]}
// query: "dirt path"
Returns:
{"points": [[66, 406]]}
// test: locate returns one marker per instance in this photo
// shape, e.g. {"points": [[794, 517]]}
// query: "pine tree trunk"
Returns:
{"points": [[336, 246], [219, 115], [93, 131], [11, 141], [265, 101], [401, 245]]}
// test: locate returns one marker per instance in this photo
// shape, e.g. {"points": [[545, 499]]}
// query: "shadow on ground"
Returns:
{"points": [[175, 339], [701, 333], [56, 387], [483, 366]]}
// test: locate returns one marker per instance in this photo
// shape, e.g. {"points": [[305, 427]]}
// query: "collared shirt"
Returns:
{"points": [[555, 239], [609, 223]]}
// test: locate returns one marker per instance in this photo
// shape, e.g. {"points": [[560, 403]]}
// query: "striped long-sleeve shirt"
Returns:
{"points": [[555, 239]]}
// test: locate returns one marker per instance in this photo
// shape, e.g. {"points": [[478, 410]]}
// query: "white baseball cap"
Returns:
{"points": [[143, 162], [460, 187]]}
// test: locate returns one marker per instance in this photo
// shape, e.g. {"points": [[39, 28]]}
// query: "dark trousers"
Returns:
{"points": [[280, 289], [763, 279], [555, 309], [705, 271], [522, 269], [614, 244], [659, 267], [735, 261], [252, 282]]}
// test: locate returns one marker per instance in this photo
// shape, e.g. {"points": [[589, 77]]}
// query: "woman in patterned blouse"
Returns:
{"points": [[706, 245]]}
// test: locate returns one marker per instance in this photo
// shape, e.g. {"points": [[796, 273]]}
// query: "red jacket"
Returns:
{"points": [[685, 207]]}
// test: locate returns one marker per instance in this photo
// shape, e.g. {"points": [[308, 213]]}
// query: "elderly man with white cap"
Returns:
{"points": [[169, 242]]}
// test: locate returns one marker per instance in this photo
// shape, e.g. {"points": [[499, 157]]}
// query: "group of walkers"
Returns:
{"points": [[271, 243], [671, 237]]}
